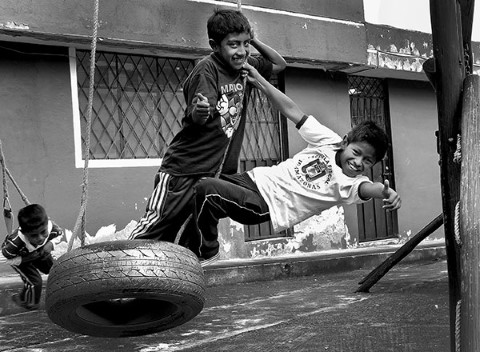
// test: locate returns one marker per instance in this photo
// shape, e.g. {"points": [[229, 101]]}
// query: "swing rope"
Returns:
{"points": [[6, 172], [81, 219], [7, 209], [7, 214], [239, 112]]}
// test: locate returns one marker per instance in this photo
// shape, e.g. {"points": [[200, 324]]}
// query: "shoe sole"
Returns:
{"points": [[210, 261]]}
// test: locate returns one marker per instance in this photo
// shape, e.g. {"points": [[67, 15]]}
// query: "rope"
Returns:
{"points": [[7, 208], [6, 172], [458, 239], [240, 109], [81, 220], [457, 155], [239, 113], [457, 325]]}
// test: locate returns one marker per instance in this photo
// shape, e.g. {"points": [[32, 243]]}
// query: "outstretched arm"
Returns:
{"points": [[382, 191], [271, 54], [279, 100]]}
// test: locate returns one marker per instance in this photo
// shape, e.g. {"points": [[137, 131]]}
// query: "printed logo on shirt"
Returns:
{"points": [[311, 169], [229, 108]]}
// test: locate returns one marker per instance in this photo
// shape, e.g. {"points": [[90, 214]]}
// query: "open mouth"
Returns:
{"points": [[238, 61], [354, 168]]}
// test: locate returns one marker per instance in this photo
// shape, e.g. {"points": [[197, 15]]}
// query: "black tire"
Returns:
{"points": [[125, 288]]}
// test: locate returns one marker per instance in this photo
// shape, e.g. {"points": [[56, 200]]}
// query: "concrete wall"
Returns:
{"points": [[327, 31], [414, 121], [37, 139]]}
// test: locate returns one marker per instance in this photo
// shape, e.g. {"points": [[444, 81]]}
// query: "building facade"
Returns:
{"points": [[340, 69]]}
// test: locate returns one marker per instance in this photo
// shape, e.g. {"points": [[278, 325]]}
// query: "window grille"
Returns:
{"points": [[137, 106]]}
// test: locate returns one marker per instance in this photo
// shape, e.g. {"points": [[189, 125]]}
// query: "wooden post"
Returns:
{"points": [[467, 7], [448, 81], [469, 216]]}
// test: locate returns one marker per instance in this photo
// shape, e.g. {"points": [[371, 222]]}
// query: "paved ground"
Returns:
{"points": [[407, 310]]}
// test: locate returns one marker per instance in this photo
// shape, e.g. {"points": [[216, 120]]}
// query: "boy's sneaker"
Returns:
{"points": [[21, 303], [209, 261]]}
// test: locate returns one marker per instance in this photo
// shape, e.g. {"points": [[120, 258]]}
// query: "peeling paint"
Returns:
{"points": [[321, 232], [105, 233], [14, 25], [395, 59]]}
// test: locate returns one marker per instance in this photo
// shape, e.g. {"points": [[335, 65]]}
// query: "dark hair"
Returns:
{"points": [[371, 133], [224, 22], [32, 217]]}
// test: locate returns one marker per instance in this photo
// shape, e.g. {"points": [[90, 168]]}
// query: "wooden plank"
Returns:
{"points": [[375, 275], [448, 81], [469, 217], [466, 7]]}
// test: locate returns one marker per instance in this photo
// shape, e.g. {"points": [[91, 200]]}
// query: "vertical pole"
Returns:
{"points": [[448, 80], [469, 217]]}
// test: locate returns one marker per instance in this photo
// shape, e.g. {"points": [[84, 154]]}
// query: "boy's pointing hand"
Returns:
{"points": [[201, 110]]}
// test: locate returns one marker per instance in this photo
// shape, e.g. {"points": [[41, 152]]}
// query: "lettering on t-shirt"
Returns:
{"points": [[309, 170], [231, 87]]}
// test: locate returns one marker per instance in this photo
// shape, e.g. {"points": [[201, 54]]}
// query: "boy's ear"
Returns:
{"points": [[344, 142], [213, 45]]}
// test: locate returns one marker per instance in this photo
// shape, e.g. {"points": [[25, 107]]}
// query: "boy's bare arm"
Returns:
{"points": [[382, 191], [282, 102], [271, 54]]}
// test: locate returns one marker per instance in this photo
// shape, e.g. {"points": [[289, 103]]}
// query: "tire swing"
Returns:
{"points": [[125, 288], [121, 288]]}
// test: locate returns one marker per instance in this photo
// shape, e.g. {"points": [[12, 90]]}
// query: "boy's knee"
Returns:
{"points": [[204, 186]]}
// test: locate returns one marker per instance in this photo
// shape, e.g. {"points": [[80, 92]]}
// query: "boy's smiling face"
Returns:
{"points": [[234, 49], [38, 235], [356, 157]]}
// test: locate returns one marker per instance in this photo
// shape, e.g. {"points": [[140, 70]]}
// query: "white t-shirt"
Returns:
{"points": [[309, 182]]}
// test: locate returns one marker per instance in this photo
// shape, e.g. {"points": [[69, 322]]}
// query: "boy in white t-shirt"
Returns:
{"points": [[328, 172]]}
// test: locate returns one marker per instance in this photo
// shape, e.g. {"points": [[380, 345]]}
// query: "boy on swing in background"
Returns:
{"points": [[212, 132], [28, 250]]}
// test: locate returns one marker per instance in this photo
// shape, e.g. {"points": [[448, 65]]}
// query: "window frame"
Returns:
{"points": [[77, 129]]}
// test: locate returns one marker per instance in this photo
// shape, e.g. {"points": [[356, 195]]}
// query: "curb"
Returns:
{"points": [[248, 270], [226, 272]]}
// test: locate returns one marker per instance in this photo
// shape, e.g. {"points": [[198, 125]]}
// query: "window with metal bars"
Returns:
{"points": [[138, 106]]}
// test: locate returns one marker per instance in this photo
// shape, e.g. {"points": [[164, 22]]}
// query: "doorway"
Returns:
{"points": [[369, 101]]}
